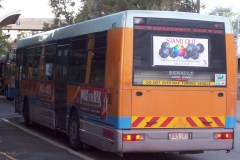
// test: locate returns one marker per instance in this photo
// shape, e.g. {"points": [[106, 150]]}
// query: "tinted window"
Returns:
{"points": [[176, 55], [49, 62], [78, 61], [97, 74], [31, 62]]}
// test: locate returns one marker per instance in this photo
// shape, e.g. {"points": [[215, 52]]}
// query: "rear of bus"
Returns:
{"points": [[182, 82]]}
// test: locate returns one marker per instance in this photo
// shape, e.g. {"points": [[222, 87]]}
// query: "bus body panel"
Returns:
{"points": [[109, 139], [179, 109], [182, 102], [158, 141], [232, 76], [40, 101]]}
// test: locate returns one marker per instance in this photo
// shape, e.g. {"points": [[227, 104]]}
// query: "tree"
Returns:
{"points": [[24, 34], [1, 4], [97, 8], [62, 9], [190, 6], [234, 19], [4, 44], [56, 24]]}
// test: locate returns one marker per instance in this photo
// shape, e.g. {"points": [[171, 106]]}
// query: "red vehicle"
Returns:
{"points": [[7, 75]]}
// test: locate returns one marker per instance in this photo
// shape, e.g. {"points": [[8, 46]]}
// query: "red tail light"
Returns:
{"points": [[133, 137], [223, 135]]}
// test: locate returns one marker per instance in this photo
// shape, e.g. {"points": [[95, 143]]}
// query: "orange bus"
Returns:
{"points": [[134, 81]]}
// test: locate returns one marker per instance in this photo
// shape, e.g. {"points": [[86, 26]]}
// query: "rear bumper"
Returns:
{"points": [[158, 141]]}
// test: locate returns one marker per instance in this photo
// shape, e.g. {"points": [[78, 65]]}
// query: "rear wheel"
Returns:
{"points": [[25, 112], [73, 131]]}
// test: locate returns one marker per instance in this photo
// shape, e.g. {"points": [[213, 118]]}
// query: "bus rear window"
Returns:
{"points": [[179, 53]]}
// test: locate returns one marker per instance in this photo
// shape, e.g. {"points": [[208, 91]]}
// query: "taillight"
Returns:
{"points": [[223, 135], [133, 137]]}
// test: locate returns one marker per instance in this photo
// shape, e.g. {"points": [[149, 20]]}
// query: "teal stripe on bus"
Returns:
{"points": [[230, 122]]}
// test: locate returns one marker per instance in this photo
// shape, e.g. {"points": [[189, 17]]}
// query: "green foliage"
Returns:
{"points": [[97, 8], [234, 18], [62, 9], [190, 6], [56, 24], [4, 44]]}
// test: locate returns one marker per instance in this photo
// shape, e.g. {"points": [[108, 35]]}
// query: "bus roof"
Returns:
{"points": [[117, 20]]}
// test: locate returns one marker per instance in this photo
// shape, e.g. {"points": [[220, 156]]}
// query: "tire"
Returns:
{"points": [[73, 132], [25, 113]]}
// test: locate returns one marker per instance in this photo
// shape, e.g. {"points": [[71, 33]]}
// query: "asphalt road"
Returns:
{"points": [[39, 143], [18, 144]]}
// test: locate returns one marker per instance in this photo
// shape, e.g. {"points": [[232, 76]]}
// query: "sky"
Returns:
{"points": [[234, 5], [29, 8], [41, 9]]}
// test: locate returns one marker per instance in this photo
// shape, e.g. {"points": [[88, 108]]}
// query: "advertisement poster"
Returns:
{"points": [[46, 93], [93, 102], [180, 51]]}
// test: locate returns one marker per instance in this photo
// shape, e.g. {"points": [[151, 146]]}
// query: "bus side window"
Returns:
{"points": [[28, 64], [31, 63], [78, 60], [97, 74], [49, 63], [49, 71], [36, 60], [24, 66]]}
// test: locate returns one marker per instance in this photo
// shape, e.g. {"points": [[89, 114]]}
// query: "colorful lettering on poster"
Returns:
{"points": [[93, 102]]}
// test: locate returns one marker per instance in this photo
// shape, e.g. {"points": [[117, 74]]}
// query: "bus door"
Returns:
{"points": [[61, 85], [18, 74]]}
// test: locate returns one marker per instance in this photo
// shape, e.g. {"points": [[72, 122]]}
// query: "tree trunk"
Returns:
{"points": [[198, 6]]}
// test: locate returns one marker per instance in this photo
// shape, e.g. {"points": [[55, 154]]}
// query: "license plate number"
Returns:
{"points": [[175, 136]]}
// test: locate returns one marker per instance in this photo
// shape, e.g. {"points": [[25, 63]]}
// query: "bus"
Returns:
{"points": [[1, 75], [7, 75], [133, 81]]}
